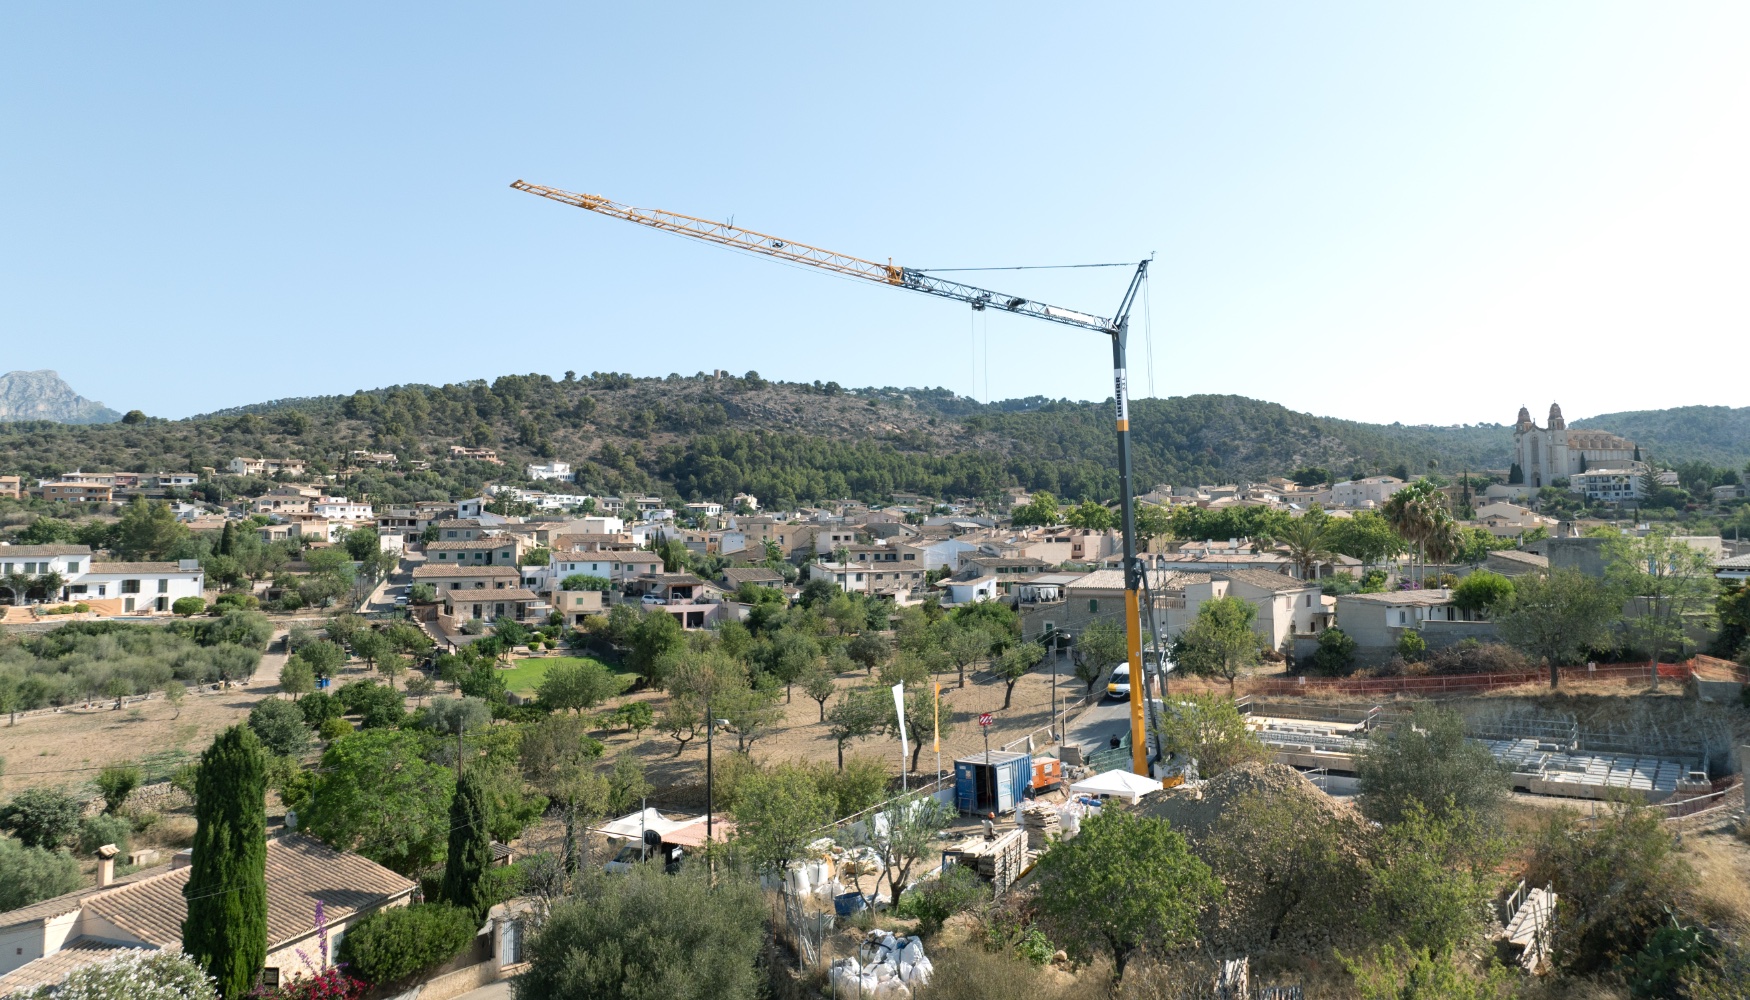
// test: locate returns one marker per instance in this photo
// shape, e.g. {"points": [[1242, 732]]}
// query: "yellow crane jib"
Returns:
{"points": [[920, 280]]}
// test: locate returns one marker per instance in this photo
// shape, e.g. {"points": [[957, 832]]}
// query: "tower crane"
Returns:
{"points": [[1115, 328]]}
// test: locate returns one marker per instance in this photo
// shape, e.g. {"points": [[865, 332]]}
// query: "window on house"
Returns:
{"points": [[163, 586], [130, 586], [1093, 605]]}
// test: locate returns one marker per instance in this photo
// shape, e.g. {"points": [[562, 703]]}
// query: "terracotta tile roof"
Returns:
{"points": [[1430, 598], [469, 544], [735, 576], [68, 902], [51, 969], [1263, 579], [123, 568], [35, 551], [300, 870], [449, 570], [488, 596]]}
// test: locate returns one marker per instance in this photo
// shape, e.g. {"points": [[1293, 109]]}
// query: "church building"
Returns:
{"points": [[1541, 455]]}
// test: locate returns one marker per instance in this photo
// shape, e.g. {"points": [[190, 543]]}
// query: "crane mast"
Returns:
{"points": [[1116, 328]]}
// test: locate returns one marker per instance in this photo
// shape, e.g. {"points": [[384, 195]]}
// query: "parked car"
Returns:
{"points": [[1118, 685]]}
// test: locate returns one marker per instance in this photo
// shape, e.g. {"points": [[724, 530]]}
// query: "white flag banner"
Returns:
{"points": [[899, 712]]}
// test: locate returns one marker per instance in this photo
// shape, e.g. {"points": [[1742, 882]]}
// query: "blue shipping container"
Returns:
{"points": [[996, 786]]}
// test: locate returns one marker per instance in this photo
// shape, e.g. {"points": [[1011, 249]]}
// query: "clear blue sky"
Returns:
{"points": [[1377, 211]]}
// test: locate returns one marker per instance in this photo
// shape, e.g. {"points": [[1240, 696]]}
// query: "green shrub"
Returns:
{"points": [[377, 706], [393, 944], [33, 873], [1336, 653], [104, 829], [116, 782], [334, 729], [236, 602], [186, 606], [318, 707], [1483, 591], [669, 935], [958, 889], [280, 725], [41, 817], [1411, 646]]}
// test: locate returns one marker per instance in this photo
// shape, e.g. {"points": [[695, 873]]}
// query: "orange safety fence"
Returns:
{"points": [[1627, 673]]}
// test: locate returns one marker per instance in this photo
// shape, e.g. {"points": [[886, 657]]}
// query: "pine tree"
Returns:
{"points": [[470, 849], [226, 929]]}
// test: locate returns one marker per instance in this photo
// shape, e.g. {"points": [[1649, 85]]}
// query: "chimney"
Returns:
{"points": [[106, 864], [182, 858]]}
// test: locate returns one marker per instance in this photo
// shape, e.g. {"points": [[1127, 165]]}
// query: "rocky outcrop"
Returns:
{"points": [[43, 395]]}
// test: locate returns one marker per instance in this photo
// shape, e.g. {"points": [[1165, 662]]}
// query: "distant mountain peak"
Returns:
{"points": [[44, 395]]}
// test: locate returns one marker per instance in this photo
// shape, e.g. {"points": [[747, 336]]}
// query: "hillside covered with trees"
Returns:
{"points": [[704, 436]]}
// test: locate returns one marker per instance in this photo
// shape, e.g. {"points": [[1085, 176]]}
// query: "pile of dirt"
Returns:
{"points": [[1196, 812], [1293, 860]]}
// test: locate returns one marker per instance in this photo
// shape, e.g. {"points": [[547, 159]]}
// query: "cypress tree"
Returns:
{"points": [[225, 540], [470, 849], [226, 929]]}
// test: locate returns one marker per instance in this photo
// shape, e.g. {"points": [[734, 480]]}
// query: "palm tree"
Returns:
{"points": [[1444, 540], [1415, 513], [1307, 539]]}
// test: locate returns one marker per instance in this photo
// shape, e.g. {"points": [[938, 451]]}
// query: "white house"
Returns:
{"points": [[1610, 485], [942, 553], [1507, 520], [342, 509], [141, 586], [1369, 492], [705, 509], [36, 560], [265, 466], [552, 470], [957, 592], [618, 567], [1285, 606], [752, 501]]}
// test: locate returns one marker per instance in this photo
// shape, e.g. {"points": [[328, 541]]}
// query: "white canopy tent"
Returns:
{"points": [[1119, 784], [633, 825]]}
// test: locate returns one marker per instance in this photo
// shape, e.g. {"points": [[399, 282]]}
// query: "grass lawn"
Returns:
{"points": [[527, 675]]}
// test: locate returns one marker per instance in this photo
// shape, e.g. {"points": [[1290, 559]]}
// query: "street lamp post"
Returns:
{"points": [[710, 731], [711, 725]]}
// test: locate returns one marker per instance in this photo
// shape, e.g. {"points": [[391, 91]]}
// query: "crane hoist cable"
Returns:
{"points": [[920, 280]]}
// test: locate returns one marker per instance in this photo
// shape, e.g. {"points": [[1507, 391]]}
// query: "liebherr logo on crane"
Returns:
{"points": [[1118, 394]]}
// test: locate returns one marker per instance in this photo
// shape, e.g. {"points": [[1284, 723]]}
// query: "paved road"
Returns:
{"points": [[1098, 723], [396, 584], [267, 672]]}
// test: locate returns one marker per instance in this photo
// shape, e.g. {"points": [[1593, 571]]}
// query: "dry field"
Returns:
{"points": [[70, 746]]}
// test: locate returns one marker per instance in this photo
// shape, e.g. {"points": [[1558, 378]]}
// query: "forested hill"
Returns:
{"points": [[1717, 435], [712, 437]]}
